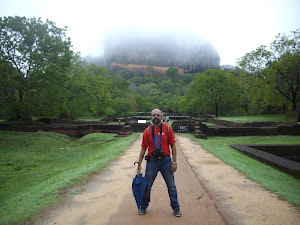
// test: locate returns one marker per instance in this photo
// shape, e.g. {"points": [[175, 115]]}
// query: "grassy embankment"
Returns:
{"points": [[269, 177], [36, 167], [285, 118]]}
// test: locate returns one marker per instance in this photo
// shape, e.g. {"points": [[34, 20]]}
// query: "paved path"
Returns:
{"points": [[209, 192], [107, 198], [196, 205]]}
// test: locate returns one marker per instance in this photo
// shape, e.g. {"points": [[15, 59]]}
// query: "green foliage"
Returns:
{"points": [[274, 72], [144, 104], [144, 89], [122, 98], [141, 79], [35, 167], [187, 78], [215, 91], [8, 87], [88, 89], [122, 105], [160, 92], [34, 58], [98, 87], [109, 111], [172, 73], [38, 79], [167, 86], [155, 96], [263, 97], [119, 86], [47, 94], [182, 104]]}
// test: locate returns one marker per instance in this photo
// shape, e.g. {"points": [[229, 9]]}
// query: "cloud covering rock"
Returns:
{"points": [[159, 47]]}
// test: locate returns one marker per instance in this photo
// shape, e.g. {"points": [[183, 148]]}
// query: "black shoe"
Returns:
{"points": [[142, 211], [177, 213]]}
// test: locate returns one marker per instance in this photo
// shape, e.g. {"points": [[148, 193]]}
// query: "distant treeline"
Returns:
{"points": [[41, 77]]}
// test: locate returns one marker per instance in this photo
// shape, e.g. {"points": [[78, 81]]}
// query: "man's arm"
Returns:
{"points": [[174, 158], [142, 153]]}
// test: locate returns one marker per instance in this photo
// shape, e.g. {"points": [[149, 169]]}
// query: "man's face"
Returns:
{"points": [[156, 117]]}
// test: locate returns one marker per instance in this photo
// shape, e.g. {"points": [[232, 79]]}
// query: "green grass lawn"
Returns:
{"points": [[35, 167], [116, 123], [89, 119], [286, 118], [270, 178], [209, 124]]}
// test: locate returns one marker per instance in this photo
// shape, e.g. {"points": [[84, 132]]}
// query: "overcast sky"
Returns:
{"points": [[234, 27]]}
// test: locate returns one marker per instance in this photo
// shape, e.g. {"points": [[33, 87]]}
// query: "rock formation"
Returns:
{"points": [[159, 48]]}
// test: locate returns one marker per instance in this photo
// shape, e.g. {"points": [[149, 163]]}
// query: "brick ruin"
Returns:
{"points": [[188, 124]]}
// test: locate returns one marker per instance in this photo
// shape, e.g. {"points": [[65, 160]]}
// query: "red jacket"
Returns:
{"points": [[167, 138]]}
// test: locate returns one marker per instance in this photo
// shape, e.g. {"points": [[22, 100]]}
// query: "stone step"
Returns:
{"points": [[202, 136]]}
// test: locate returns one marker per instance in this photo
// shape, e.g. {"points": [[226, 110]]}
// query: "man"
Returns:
{"points": [[157, 138], [167, 119]]}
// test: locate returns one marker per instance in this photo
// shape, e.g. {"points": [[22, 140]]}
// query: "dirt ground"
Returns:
{"points": [[209, 191]]}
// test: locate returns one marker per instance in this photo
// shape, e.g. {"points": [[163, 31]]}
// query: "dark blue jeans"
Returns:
{"points": [[164, 166]]}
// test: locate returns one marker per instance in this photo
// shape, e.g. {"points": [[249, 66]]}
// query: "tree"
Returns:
{"points": [[155, 97], [40, 54], [278, 67], [172, 73], [187, 78], [167, 86], [216, 91], [262, 98], [98, 89], [119, 86], [144, 104], [145, 89], [124, 100], [79, 99], [8, 85], [181, 104]]}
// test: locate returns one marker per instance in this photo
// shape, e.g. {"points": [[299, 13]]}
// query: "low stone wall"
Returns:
{"points": [[234, 124], [182, 118], [252, 131], [139, 127], [80, 129], [188, 123], [77, 129], [282, 163]]}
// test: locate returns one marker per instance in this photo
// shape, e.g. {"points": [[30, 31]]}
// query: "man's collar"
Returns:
{"points": [[157, 125]]}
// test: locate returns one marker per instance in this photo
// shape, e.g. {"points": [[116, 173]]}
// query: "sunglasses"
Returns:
{"points": [[155, 115]]}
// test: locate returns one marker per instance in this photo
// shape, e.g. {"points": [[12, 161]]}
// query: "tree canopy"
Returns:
{"points": [[40, 76], [88, 90], [36, 56], [277, 68], [215, 91]]}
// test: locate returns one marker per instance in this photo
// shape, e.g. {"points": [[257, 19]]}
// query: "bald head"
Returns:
{"points": [[156, 117], [156, 111]]}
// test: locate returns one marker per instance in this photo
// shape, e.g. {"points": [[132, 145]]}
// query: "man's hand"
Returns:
{"points": [[174, 167], [139, 170], [142, 153]]}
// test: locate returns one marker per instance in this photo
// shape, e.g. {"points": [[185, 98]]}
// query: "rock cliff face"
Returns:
{"points": [[184, 50], [137, 68]]}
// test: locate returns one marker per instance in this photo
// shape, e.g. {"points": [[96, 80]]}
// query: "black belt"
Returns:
{"points": [[148, 156]]}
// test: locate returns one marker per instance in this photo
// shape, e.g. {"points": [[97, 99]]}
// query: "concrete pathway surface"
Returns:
{"points": [[210, 192], [196, 205]]}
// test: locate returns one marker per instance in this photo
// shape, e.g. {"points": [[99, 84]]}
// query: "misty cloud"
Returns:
{"points": [[159, 47]]}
